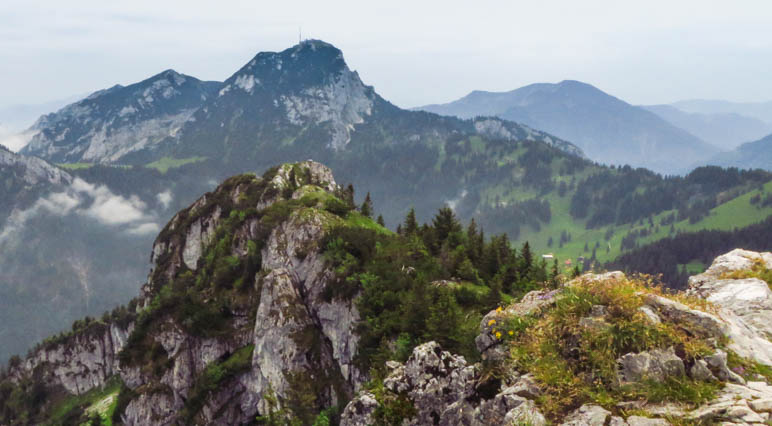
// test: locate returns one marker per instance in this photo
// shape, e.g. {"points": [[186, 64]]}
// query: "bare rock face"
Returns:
{"points": [[657, 364], [299, 337], [359, 412], [587, 415], [78, 363], [445, 390], [735, 260], [745, 305]]}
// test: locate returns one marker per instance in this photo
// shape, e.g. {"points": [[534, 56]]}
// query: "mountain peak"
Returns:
{"points": [[171, 76], [310, 61]]}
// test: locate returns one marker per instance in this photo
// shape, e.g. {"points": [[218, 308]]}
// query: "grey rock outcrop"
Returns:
{"points": [[587, 415], [658, 365], [445, 390], [298, 335], [744, 305], [80, 362]]}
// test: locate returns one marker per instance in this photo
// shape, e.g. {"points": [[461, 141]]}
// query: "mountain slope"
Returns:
{"points": [[724, 130], [111, 123], [608, 129], [750, 155]]}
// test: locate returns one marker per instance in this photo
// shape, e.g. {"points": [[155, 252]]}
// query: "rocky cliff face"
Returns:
{"points": [[111, 123], [233, 322], [441, 388]]}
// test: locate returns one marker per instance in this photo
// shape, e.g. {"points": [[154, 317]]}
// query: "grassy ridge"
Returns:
{"points": [[735, 213]]}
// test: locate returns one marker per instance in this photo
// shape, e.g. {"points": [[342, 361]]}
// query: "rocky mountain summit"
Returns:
{"points": [[112, 123], [232, 318], [727, 379]]}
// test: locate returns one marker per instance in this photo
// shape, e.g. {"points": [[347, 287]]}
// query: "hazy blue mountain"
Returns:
{"points": [[111, 123], [759, 110], [750, 155], [724, 130], [608, 129]]}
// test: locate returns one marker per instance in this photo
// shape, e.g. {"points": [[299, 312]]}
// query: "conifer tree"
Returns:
{"points": [[555, 274], [444, 320], [367, 206], [411, 224], [381, 221], [349, 196], [527, 258], [445, 223], [493, 298]]}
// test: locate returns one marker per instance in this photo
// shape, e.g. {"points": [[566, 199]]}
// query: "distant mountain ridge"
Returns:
{"points": [[726, 130], [759, 110], [750, 155], [114, 122], [608, 129], [303, 98]]}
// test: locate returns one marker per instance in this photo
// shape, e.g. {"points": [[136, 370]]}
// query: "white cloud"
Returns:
{"points": [[88, 200], [165, 198], [15, 140], [144, 229], [108, 208]]}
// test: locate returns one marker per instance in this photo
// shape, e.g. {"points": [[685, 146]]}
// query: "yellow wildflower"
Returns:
{"points": [[498, 309], [511, 333], [491, 322], [498, 335]]}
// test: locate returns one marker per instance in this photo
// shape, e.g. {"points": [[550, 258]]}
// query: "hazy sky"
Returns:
{"points": [[414, 52]]}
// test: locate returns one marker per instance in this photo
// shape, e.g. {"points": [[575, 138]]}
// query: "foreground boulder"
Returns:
{"points": [[443, 389]]}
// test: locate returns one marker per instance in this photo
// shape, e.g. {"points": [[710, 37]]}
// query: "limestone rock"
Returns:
{"points": [[657, 364], [587, 415], [359, 412], [445, 390]]}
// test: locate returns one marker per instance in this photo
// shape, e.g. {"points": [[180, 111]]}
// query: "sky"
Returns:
{"points": [[412, 52]]}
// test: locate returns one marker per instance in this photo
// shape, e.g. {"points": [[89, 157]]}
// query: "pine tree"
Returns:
{"points": [[381, 221], [348, 196], [411, 224], [493, 298], [555, 274], [576, 271], [444, 320], [367, 206], [474, 248], [445, 223], [527, 259]]}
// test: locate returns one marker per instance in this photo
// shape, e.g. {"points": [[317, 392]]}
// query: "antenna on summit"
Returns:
{"points": [[300, 38]]}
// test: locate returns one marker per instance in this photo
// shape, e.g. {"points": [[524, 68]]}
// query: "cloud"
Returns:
{"points": [[13, 140], [97, 202], [108, 208], [165, 198], [144, 229]]}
